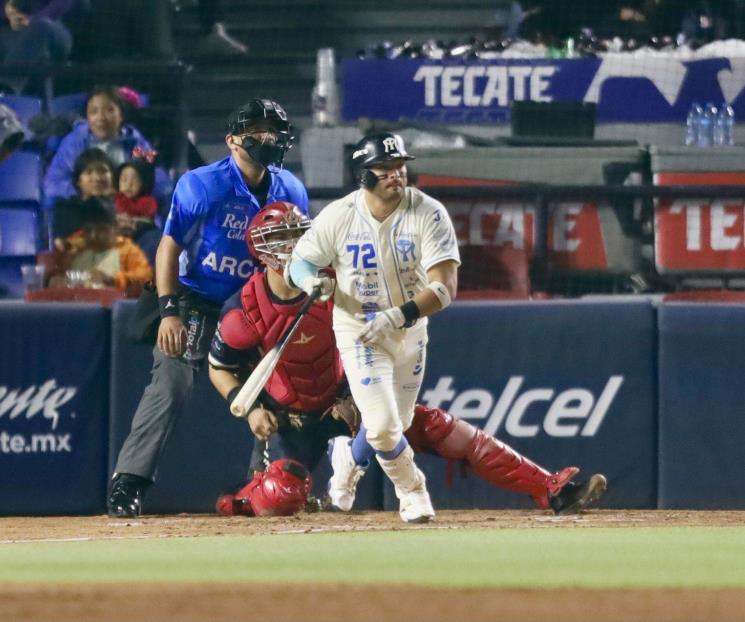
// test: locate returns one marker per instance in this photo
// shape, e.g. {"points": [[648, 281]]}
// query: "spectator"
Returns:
{"points": [[93, 177], [11, 132], [111, 260], [135, 205], [136, 208], [626, 19], [705, 22], [32, 38], [104, 128]]}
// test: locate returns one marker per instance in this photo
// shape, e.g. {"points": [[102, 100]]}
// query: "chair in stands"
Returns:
{"points": [[20, 219], [20, 179], [65, 105], [25, 107]]}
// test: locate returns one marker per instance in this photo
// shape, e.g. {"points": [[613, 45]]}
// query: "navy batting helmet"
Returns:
{"points": [[374, 149], [255, 114]]}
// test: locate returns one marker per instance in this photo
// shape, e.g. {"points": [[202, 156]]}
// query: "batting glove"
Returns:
{"points": [[380, 325], [325, 283]]}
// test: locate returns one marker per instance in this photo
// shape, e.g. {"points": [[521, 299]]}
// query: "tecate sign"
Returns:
{"points": [[569, 413]]}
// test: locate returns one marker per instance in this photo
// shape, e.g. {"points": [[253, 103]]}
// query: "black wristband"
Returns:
{"points": [[168, 305], [411, 311], [233, 393]]}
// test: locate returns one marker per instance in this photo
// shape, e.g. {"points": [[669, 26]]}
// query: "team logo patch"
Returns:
{"points": [[389, 144], [406, 249], [304, 339]]}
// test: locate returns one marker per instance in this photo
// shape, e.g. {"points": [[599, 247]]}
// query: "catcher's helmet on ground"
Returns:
{"points": [[262, 114], [374, 149], [274, 231]]}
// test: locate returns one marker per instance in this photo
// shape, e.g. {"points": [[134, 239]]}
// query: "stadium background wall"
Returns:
{"points": [[646, 393]]}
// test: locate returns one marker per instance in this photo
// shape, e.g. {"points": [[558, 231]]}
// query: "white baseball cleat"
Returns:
{"points": [[411, 487], [342, 486]]}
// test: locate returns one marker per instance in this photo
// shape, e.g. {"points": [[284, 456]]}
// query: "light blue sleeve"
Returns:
{"points": [[300, 269]]}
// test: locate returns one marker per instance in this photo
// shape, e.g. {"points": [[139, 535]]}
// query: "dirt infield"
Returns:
{"points": [[23, 529], [204, 602]]}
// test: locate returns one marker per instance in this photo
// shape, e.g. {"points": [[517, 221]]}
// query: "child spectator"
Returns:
{"points": [[111, 260], [136, 208], [92, 177]]}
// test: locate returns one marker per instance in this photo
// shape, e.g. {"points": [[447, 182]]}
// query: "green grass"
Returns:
{"points": [[639, 557]]}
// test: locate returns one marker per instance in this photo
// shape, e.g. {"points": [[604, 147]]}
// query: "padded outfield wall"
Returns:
{"points": [[647, 395]]}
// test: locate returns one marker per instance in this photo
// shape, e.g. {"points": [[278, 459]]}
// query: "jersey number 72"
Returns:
{"points": [[366, 252]]}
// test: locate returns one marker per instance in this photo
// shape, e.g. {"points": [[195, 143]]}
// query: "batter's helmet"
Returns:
{"points": [[374, 149], [274, 231], [259, 111]]}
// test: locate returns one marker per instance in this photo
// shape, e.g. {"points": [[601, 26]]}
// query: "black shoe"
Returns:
{"points": [[574, 498], [125, 498]]}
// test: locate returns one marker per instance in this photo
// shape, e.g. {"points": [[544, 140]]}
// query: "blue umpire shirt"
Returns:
{"points": [[211, 209]]}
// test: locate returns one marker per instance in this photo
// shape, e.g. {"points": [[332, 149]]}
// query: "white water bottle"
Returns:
{"points": [[724, 128], [693, 120], [325, 97], [706, 126]]}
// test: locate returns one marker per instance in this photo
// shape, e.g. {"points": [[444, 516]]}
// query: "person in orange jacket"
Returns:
{"points": [[109, 259]]}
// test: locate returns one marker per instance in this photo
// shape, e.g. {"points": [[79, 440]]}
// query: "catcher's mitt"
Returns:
{"points": [[344, 409]]}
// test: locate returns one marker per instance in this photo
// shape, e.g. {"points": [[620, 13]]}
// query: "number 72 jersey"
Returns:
{"points": [[379, 265]]}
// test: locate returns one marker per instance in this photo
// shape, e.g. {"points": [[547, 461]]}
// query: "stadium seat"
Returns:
{"points": [[11, 282], [19, 230], [25, 107], [20, 178], [64, 105]]}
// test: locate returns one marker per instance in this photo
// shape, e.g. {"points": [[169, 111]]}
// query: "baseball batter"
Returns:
{"points": [[396, 256], [289, 418]]}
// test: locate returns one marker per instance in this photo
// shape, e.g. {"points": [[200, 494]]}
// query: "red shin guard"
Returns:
{"points": [[437, 432]]}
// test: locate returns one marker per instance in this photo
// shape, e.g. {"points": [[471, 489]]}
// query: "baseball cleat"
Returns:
{"points": [[342, 486], [573, 498], [410, 485], [125, 498], [416, 506]]}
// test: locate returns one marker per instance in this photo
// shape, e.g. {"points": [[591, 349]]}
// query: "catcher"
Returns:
{"points": [[305, 405]]}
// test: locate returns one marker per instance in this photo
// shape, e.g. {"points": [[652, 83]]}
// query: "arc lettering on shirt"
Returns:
{"points": [[243, 269]]}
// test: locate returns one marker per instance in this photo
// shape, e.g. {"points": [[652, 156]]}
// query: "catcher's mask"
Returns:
{"points": [[375, 149], [258, 115], [274, 231]]}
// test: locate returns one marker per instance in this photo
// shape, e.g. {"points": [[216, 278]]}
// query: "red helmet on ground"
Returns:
{"points": [[281, 490], [274, 231]]}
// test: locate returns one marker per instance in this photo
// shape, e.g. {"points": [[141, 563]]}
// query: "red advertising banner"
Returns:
{"points": [[706, 235]]}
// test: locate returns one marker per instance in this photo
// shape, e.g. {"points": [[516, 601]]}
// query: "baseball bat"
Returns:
{"points": [[263, 371]]}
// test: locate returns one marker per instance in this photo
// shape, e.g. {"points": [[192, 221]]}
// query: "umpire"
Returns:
{"points": [[201, 261]]}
